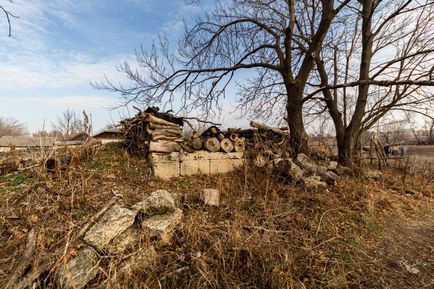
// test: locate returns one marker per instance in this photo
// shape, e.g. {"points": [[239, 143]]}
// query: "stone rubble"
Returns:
{"points": [[115, 221], [121, 230], [78, 271]]}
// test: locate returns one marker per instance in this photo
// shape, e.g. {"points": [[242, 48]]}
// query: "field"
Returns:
{"points": [[267, 233], [422, 155]]}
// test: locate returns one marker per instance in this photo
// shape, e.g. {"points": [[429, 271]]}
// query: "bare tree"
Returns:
{"points": [[11, 127], [8, 16], [381, 59], [276, 41], [69, 123]]}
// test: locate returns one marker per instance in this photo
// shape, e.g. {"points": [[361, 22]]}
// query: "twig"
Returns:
{"points": [[320, 219], [200, 120], [26, 260]]}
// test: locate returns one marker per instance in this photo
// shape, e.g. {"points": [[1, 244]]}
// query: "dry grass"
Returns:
{"points": [[266, 234]]}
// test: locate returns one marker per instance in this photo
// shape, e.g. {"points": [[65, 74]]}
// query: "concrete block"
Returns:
{"points": [[194, 167], [166, 169], [210, 197], [220, 166]]}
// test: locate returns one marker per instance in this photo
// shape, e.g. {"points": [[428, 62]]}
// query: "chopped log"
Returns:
{"points": [[160, 126], [220, 136], [156, 120], [227, 145], [164, 146], [196, 143], [176, 139], [212, 144], [233, 137], [239, 145], [210, 132], [166, 132], [265, 127]]}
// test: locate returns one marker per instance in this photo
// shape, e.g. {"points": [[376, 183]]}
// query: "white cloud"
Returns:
{"points": [[75, 101], [29, 72]]}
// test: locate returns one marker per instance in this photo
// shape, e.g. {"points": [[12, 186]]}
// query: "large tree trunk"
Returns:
{"points": [[299, 137]]}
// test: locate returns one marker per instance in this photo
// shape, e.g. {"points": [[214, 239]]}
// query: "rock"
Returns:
{"points": [[314, 183], [127, 240], [410, 269], [285, 167], [162, 226], [115, 221], [343, 170], [332, 166], [210, 197], [295, 172], [78, 271], [309, 166], [306, 163], [374, 175], [143, 259], [158, 202]]}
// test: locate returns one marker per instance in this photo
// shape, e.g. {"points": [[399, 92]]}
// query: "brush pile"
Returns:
{"points": [[152, 131]]}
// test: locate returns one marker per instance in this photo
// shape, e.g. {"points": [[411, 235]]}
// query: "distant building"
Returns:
{"points": [[82, 136], [24, 142], [109, 136]]}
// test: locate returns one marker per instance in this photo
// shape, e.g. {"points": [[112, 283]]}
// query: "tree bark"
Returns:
{"points": [[297, 132], [353, 130]]}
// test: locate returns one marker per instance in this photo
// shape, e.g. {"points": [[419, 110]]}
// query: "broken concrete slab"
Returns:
{"points": [[78, 271], [177, 164], [162, 226], [210, 197], [115, 221], [158, 202]]}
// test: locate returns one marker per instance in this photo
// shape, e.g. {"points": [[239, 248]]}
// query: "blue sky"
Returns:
{"points": [[59, 46]]}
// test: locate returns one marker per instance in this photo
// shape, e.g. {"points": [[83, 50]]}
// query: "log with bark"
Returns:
{"points": [[196, 143], [226, 145], [212, 144], [239, 145]]}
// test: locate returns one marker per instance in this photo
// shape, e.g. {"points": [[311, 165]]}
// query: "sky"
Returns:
{"points": [[58, 47]]}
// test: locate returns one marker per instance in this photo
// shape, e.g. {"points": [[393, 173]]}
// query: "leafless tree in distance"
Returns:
{"points": [[11, 127], [69, 123]]}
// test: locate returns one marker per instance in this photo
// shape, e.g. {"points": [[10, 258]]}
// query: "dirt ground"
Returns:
{"points": [[407, 253]]}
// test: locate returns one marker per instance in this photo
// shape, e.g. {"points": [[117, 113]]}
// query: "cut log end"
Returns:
{"points": [[196, 143], [239, 145], [227, 145], [212, 144]]}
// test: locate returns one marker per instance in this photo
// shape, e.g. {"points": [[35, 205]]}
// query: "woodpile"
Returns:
{"points": [[215, 140], [152, 131]]}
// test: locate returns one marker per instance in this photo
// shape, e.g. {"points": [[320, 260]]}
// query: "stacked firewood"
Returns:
{"points": [[152, 131], [214, 140]]}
